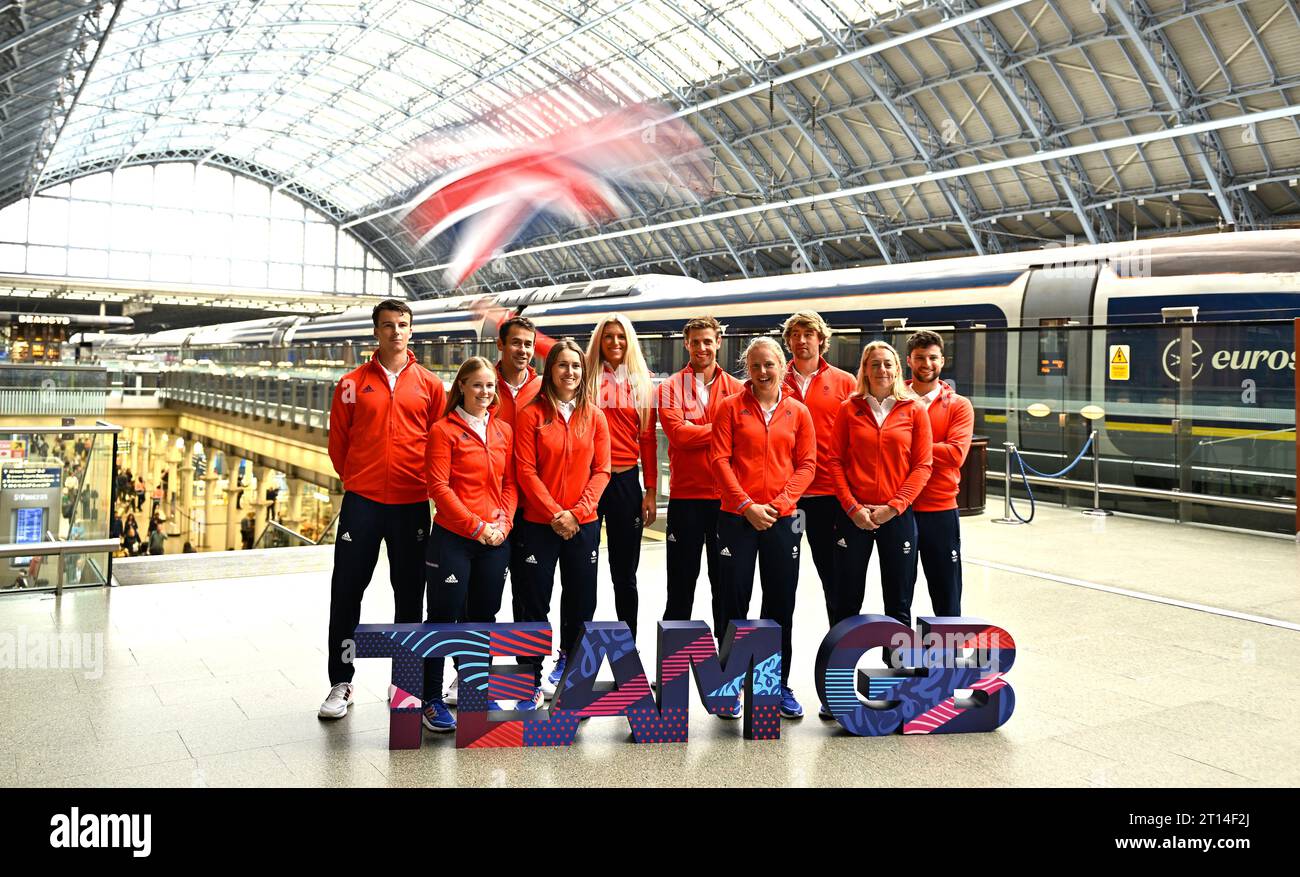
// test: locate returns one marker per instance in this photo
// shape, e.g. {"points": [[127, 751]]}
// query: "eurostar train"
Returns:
{"points": [[1019, 333]]}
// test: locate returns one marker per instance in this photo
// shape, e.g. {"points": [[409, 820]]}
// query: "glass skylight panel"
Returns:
{"points": [[769, 31], [342, 118]]}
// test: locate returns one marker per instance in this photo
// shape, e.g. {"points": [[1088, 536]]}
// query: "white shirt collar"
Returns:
{"points": [[700, 382], [881, 409], [701, 388], [929, 397], [394, 373], [566, 408], [392, 376], [515, 388], [768, 412], [478, 424], [803, 380]]}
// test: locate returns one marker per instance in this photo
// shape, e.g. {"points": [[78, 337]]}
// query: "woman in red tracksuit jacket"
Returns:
{"points": [[471, 474], [562, 468], [620, 385], [880, 459], [764, 455]]}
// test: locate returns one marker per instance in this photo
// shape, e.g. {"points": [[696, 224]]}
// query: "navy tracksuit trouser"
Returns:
{"points": [[820, 516], [464, 580], [775, 551], [541, 548], [896, 539], [938, 535], [363, 524], [620, 510], [692, 526]]}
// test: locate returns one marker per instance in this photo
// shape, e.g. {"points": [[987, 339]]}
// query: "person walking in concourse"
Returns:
{"points": [[764, 456], [380, 421], [562, 468], [938, 524], [472, 484], [620, 385], [880, 460]]}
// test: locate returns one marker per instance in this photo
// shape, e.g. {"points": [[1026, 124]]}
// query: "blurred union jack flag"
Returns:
{"points": [[577, 176]]}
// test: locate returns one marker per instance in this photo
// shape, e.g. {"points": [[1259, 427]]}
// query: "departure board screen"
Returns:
{"points": [[29, 526]]}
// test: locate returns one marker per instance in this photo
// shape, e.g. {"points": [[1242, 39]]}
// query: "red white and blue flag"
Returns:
{"points": [[572, 177]]}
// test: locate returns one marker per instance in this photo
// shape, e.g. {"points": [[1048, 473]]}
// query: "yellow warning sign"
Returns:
{"points": [[1119, 362]]}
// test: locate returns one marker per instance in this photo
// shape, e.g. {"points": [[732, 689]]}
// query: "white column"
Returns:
{"points": [[293, 512], [264, 479], [233, 513], [182, 514], [211, 529]]}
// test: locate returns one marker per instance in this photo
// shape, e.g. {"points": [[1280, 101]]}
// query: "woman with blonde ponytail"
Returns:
{"points": [[619, 383]]}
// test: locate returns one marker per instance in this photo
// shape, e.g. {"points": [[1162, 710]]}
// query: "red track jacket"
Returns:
{"points": [[560, 466], [378, 437], [880, 465], [952, 422], [829, 387], [472, 483], [688, 426], [769, 463]]}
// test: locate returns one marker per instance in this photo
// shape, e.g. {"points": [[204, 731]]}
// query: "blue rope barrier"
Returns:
{"points": [[1076, 461], [1020, 461]]}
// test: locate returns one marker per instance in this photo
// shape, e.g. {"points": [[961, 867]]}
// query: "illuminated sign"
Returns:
{"points": [[19, 478], [47, 319]]}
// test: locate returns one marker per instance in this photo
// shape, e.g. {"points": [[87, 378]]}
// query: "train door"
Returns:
{"points": [[1054, 357]]}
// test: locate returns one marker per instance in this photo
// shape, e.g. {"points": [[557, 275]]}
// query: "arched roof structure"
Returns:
{"points": [[839, 132]]}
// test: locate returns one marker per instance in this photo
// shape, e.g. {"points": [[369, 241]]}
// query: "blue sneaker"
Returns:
{"points": [[790, 708], [533, 703], [731, 712], [438, 718], [825, 713], [552, 679]]}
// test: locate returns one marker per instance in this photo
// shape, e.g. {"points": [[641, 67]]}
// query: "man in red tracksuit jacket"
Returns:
{"points": [[938, 526], [379, 430], [517, 381], [688, 402], [822, 388]]}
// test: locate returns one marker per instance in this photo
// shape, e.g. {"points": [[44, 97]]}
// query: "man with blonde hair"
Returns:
{"points": [[822, 388]]}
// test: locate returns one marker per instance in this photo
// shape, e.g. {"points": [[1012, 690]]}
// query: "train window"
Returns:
{"points": [[1053, 345]]}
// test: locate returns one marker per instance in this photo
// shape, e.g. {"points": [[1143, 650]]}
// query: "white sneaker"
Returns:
{"points": [[551, 680], [337, 703], [449, 696]]}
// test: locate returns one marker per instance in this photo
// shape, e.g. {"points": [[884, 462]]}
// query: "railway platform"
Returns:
{"points": [[1149, 654]]}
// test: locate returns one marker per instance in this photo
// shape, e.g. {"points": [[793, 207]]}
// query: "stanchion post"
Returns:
{"points": [[1096, 511], [1007, 518]]}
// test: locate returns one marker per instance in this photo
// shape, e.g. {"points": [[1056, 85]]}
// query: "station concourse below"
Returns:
{"points": [[1149, 654]]}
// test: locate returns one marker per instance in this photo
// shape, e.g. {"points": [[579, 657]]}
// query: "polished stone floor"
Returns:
{"points": [[1122, 678]]}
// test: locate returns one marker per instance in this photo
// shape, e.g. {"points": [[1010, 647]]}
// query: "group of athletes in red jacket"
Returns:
{"points": [[523, 468]]}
